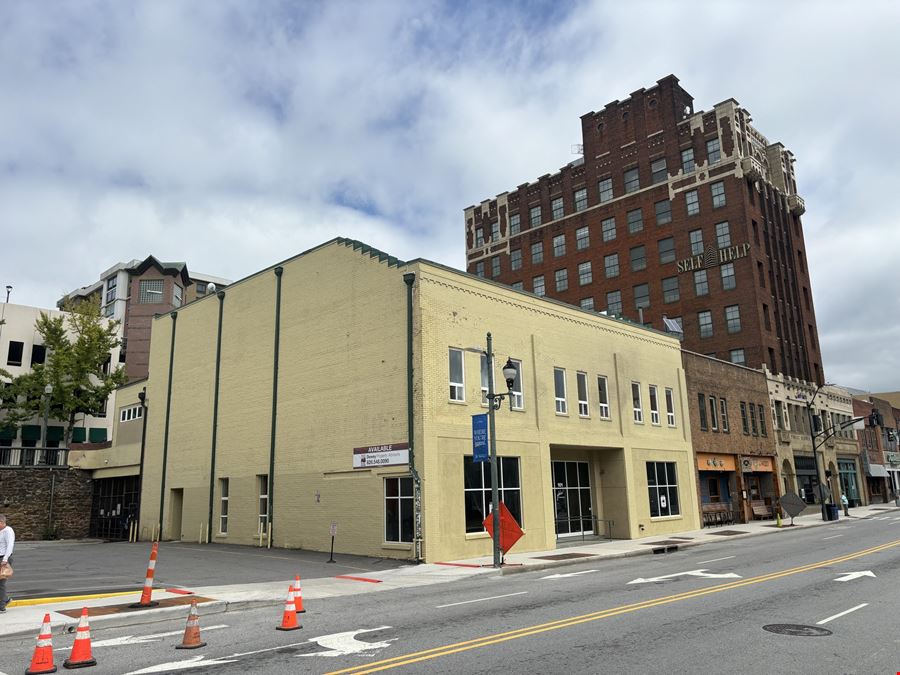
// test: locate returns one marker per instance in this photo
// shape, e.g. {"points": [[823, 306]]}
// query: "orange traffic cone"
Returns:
{"points": [[191, 638], [289, 618], [298, 596], [148, 581], [81, 656], [42, 661]]}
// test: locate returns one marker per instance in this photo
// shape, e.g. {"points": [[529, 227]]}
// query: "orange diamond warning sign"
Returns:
{"points": [[510, 532]]}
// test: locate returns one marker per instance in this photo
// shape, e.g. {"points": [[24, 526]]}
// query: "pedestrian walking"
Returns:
{"points": [[846, 504], [7, 543]]}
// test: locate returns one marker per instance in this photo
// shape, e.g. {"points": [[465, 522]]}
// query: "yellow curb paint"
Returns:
{"points": [[69, 598]]}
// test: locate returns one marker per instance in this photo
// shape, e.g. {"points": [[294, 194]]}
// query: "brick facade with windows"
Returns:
{"points": [[656, 173]]}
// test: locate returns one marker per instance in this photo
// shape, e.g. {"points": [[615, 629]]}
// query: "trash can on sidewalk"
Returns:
{"points": [[832, 512]]}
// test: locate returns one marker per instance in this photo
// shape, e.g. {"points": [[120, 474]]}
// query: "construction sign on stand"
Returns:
{"points": [[510, 532]]}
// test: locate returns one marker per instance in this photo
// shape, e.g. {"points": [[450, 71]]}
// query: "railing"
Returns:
{"points": [[589, 528], [33, 458]]}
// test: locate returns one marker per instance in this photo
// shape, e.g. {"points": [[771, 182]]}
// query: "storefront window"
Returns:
{"points": [[477, 477]]}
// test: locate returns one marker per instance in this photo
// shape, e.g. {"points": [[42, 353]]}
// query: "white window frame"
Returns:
{"points": [[562, 407], [670, 406], [723, 416], [713, 412], [637, 406], [223, 506], [457, 389], [518, 396], [584, 408], [603, 396], [654, 405]]}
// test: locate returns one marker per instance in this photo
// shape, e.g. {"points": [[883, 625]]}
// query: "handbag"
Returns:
{"points": [[6, 571]]}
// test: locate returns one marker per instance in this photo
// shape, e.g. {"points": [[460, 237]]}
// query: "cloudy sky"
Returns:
{"points": [[231, 134]]}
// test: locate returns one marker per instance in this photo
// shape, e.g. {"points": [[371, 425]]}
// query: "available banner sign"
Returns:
{"points": [[480, 438], [374, 456]]}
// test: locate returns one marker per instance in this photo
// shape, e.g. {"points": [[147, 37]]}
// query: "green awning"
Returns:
{"points": [[55, 433], [31, 432], [97, 435], [7, 433], [78, 435]]}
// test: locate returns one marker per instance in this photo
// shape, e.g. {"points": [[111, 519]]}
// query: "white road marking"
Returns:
{"points": [[342, 644], [837, 616], [570, 574], [849, 576], [141, 639], [199, 662], [694, 573], [832, 537], [727, 557], [496, 597]]}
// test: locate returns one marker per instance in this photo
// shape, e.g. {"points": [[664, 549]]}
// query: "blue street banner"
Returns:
{"points": [[480, 437]]}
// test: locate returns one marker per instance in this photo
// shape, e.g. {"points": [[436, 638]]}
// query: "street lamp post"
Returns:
{"points": [[48, 390], [493, 399], [812, 438], [142, 397]]}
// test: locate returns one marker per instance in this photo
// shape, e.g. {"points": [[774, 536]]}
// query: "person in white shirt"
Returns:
{"points": [[7, 543]]}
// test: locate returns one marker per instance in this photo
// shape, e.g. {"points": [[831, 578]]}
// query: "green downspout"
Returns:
{"points": [[165, 457], [410, 279], [271, 487], [215, 419]]}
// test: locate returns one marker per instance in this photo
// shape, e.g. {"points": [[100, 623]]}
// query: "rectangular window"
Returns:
{"points": [[733, 318], [606, 190], [518, 286], [658, 172], [495, 230], [692, 202], [559, 390], [485, 373], [580, 199], [662, 483], [556, 208], [537, 253], [495, 266], [38, 354], [583, 407], [582, 238], [223, 506], [515, 259], [515, 225], [603, 396], [762, 421], [718, 194], [713, 153], [608, 227], [701, 407], [479, 268], [537, 285], [457, 376], [111, 290], [753, 419], [635, 221], [706, 325], [745, 424], [670, 407], [586, 303], [636, 407], [477, 490], [585, 275], [671, 292], [641, 296], [479, 236], [632, 180], [638, 258], [518, 398], [14, 353], [398, 510], [701, 283], [723, 415], [728, 280], [262, 482], [696, 242], [737, 356], [723, 235], [713, 413], [654, 405], [663, 212], [666, 250], [534, 216], [687, 160], [150, 292], [614, 302], [562, 279], [201, 288], [611, 265], [559, 245]]}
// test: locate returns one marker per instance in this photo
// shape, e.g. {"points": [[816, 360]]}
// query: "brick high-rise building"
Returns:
{"points": [[671, 213]]}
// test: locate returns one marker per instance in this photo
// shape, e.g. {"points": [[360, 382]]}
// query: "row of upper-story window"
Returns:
{"points": [[583, 386], [15, 355], [150, 292], [634, 217], [791, 416], [713, 415]]}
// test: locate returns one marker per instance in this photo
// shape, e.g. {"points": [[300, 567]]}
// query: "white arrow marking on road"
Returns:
{"points": [[198, 661], [703, 574], [342, 644], [855, 575], [141, 639], [570, 574]]}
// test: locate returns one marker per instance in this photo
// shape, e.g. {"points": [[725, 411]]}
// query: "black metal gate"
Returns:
{"points": [[114, 507]]}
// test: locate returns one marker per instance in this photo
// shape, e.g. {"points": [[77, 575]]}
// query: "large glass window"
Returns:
{"points": [[537, 253], [477, 490], [723, 235], [572, 497], [611, 265], [696, 237], [638, 258], [606, 189], [713, 153], [654, 404], [515, 259], [635, 221], [658, 171], [706, 324], [608, 227], [150, 291], [603, 396], [718, 194], [559, 390], [561, 278], [582, 238], [580, 198], [457, 376], [636, 405], [701, 283], [733, 318], [671, 292], [692, 202], [687, 160], [662, 481], [585, 275], [534, 216], [398, 509], [641, 296], [559, 245], [537, 285], [632, 180]]}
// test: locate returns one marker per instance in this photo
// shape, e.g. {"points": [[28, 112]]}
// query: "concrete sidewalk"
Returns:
{"points": [[24, 617]]}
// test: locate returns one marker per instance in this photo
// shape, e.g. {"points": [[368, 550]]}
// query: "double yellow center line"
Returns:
{"points": [[496, 638]]}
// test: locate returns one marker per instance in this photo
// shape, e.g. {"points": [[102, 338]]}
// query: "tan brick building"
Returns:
{"points": [[330, 371]]}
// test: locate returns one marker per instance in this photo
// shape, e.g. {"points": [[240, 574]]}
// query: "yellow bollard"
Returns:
{"points": [[777, 517]]}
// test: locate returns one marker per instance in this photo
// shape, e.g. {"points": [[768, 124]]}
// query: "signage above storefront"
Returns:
{"points": [[713, 258], [753, 464], [377, 456], [711, 462]]}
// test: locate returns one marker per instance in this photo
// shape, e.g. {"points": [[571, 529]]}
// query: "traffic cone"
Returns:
{"points": [[289, 618], [148, 582], [42, 661], [298, 596], [191, 638], [81, 656]]}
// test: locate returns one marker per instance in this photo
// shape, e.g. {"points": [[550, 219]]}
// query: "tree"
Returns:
{"points": [[77, 365]]}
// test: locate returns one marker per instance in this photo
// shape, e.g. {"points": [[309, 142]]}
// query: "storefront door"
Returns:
{"points": [[572, 498]]}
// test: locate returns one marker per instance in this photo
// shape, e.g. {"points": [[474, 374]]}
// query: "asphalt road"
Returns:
{"points": [[651, 614]]}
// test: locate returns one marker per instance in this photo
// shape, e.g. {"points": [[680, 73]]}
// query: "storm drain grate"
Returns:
{"points": [[667, 542], [683, 538], [796, 630], [729, 533], [564, 556]]}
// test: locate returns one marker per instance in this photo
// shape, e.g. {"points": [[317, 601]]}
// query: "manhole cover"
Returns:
{"points": [[796, 630], [564, 556]]}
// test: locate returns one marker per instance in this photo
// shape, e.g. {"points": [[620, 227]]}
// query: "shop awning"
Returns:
{"points": [[877, 471]]}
